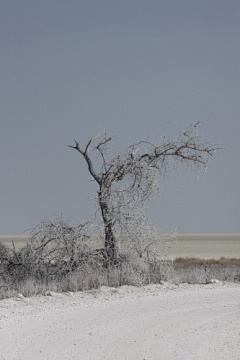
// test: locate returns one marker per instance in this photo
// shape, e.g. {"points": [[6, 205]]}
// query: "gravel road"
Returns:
{"points": [[155, 322]]}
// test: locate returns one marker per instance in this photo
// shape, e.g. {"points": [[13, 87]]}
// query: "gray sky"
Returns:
{"points": [[135, 68]]}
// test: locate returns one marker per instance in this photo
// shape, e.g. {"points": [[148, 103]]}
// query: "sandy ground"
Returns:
{"points": [[154, 322]]}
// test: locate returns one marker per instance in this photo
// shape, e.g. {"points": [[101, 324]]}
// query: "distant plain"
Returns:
{"points": [[201, 245]]}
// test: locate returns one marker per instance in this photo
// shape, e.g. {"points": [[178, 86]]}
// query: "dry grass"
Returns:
{"points": [[194, 270], [31, 271], [186, 262], [135, 273]]}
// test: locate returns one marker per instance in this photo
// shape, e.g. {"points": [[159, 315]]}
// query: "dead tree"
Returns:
{"points": [[127, 181]]}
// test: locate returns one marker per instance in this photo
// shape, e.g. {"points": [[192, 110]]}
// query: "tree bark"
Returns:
{"points": [[110, 239]]}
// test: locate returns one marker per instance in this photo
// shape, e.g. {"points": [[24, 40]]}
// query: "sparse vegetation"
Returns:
{"points": [[195, 271], [59, 258]]}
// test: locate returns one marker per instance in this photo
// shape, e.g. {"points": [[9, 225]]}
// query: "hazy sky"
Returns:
{"points": [[70, 69]]}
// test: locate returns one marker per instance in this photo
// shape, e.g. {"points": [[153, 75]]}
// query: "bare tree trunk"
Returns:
{"points": [[110, 239]]}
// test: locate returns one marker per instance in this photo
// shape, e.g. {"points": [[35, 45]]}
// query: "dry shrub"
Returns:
{"points": [[55, 250], [59, 258], [200, 271], [24, 272], [160, 271]]}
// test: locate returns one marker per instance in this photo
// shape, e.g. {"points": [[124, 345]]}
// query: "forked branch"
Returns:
{"points": [[127, 181]]}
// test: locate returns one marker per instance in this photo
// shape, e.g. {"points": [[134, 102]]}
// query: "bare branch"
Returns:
{"points": [[127, 181], [90, 142], [87, 158]]}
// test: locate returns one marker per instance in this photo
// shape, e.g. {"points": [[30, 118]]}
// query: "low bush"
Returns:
{"points": [[23, 272], [195, 271], [59, 258]]}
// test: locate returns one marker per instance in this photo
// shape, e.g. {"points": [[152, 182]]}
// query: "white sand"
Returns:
{"points": [[154, 322]]}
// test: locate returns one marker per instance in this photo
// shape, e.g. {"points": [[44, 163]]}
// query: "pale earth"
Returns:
{"points": [[154, 322]]}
